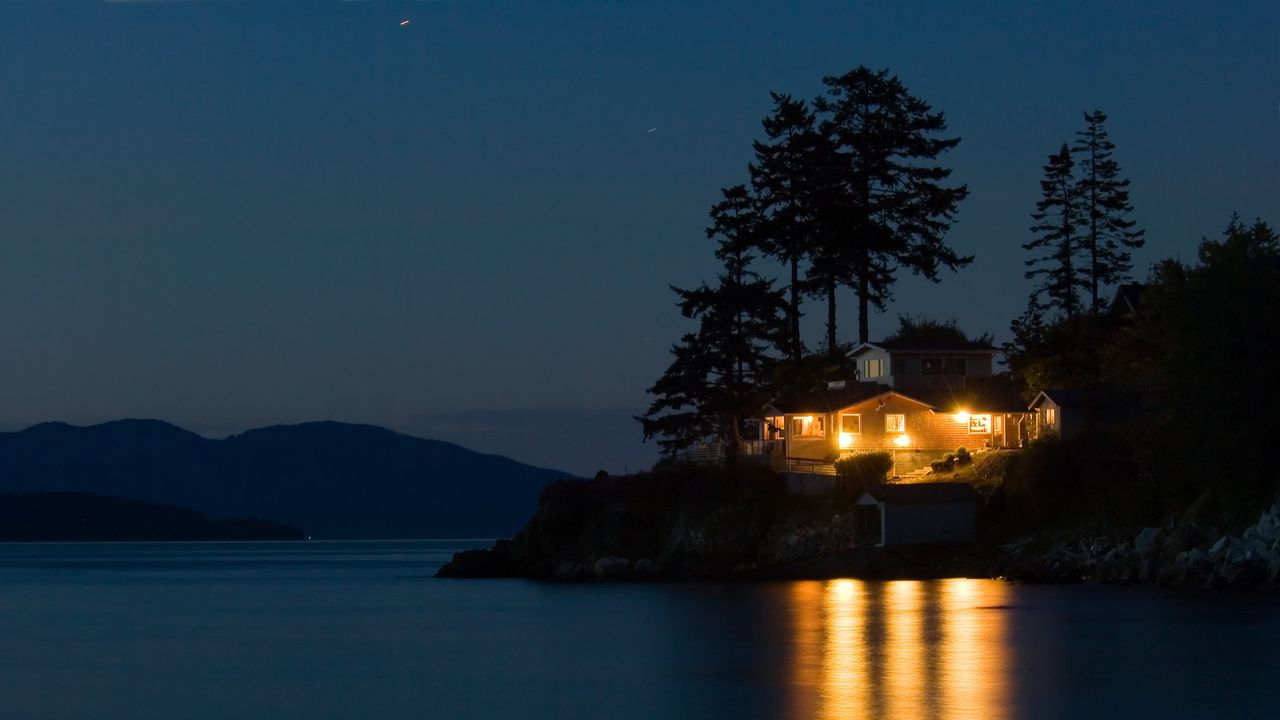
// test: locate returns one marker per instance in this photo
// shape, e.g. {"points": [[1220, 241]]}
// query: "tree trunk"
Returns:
{"points": [[793, 320], [733, 444], [864, 320], [831, 318], [1093, 230]]}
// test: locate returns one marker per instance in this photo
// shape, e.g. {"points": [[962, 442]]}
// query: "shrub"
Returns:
{"points": [[946, 465], [856, 472], [963, 456]]}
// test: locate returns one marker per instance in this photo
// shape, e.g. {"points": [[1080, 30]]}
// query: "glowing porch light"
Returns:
{"points": [[902, 441], [963, 416], [846, 440]]}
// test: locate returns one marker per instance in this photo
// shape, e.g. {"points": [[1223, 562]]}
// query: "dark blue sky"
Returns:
{"points": [[228, 214]]}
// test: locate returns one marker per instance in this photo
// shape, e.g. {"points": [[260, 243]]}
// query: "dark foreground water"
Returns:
{"points": [[362, 630]]}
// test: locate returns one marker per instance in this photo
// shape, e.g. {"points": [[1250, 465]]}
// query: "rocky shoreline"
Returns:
{"points": [[1177, 556], [669, 527]]}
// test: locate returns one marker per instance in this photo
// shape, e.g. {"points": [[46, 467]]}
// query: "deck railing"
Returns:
{"points": [[810, 467]]}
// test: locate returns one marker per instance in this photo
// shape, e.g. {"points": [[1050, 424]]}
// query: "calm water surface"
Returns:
{"points": [[362, 630]]}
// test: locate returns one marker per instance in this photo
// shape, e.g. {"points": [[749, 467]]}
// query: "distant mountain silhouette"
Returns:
{"points": [[336, 480], [74, 516]]}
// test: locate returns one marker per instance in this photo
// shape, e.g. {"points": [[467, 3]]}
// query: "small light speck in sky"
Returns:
{"points": [[404, 22]]}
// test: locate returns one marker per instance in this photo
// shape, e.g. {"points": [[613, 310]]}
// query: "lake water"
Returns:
{"points": [[362, 630]]}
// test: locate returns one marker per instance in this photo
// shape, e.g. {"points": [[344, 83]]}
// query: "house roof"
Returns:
{"points": [[924, 346], [922, 493], [829, 399], [1127, 298], [990, 394]]}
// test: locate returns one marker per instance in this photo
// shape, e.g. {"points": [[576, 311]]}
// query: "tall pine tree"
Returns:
{"points": [[1109, 234], [892, 208], [1057, 245], [715, 379], [781, 177]]}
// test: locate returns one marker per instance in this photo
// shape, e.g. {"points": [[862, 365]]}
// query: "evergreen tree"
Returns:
{"points": [[891, 208], [781, 177], [1104, 197], [1057, 245], [715, 380]]}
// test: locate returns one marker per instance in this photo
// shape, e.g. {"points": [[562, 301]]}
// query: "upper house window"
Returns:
{"points": [[943, 366], [874, 368]]}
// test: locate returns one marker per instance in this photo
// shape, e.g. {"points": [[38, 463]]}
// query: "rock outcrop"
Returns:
{"points": [[1179, 555]]}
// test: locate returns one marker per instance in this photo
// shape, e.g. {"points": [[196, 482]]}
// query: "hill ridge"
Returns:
{"points": [[337, 479]]}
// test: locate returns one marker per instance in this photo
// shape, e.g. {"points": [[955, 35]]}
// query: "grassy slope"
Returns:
{"points": [[986, 473]]}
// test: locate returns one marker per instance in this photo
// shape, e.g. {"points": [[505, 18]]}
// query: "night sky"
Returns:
{"points": [[229, 214]]}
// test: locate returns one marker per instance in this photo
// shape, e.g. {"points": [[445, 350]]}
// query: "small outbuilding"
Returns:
{"points": [[918, 513]]}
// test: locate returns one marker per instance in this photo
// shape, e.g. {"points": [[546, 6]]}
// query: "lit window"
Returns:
{"points": [[979, 424], [875, 368], [851, 424], [895, 423], [1050, 416], [807, 426]]}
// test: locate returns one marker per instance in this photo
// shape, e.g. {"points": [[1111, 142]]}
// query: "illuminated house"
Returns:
{"points": [[808, 433]]}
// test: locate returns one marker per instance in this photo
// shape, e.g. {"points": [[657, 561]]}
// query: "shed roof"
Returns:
{"points": [[922, 493]]}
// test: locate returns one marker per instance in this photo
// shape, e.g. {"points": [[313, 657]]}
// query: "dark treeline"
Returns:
{"points": [[1180, 393], [1177, 381]]}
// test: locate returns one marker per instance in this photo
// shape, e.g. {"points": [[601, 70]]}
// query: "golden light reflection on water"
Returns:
{"points": [[903, 649]]}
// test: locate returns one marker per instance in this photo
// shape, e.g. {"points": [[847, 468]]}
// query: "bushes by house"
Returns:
{"points": [[855, 472]]}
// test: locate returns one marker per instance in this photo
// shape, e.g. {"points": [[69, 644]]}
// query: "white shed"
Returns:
{"points": [[920, 513]]}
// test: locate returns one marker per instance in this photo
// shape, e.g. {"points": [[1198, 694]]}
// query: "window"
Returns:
{"points": [[775, 426], [1050, 416], [997, 423], [851, 424], [979, 424], [807, 426], [895, 423], [899, 366], [944, 366], [874, 368]]}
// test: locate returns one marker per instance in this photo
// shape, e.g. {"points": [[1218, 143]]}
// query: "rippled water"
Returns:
{"points": [[362, 630]]}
